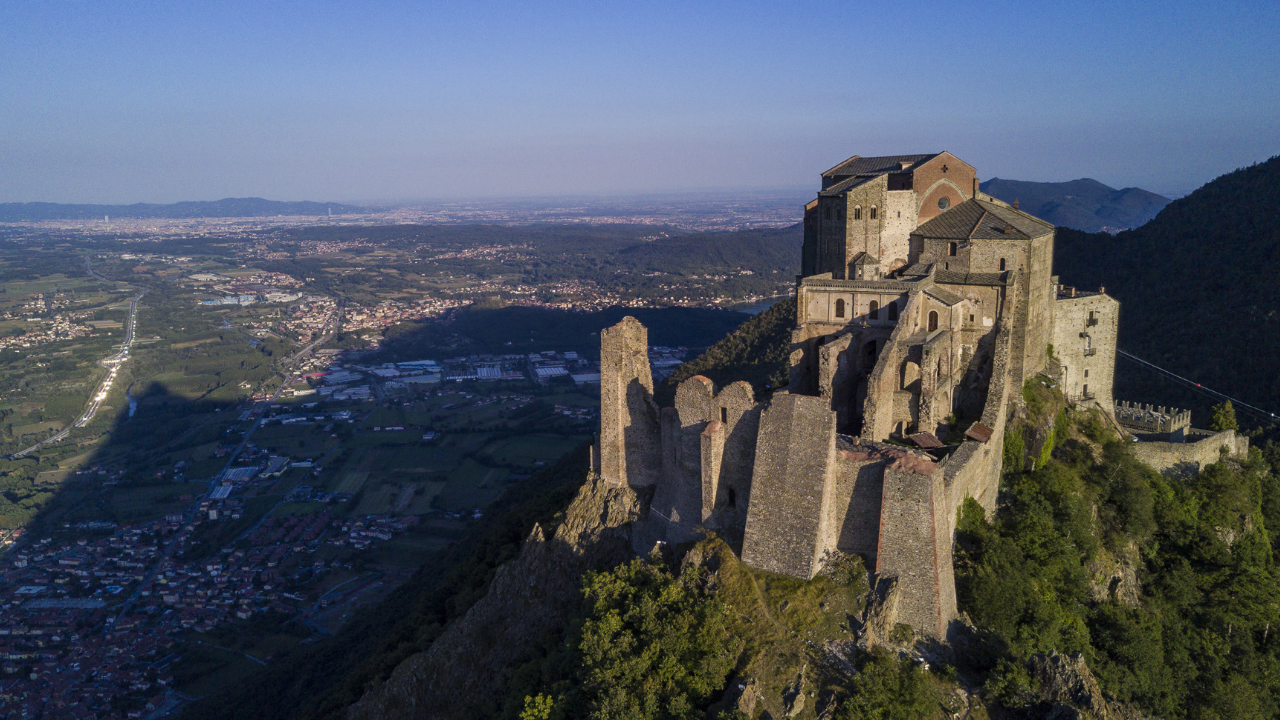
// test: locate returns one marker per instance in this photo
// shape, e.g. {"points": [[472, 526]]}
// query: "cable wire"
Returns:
{"points": [[1198, 387]]}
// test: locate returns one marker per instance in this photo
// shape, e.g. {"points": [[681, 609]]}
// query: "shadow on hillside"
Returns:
{"points": [[135, 453], [520, 330], [133, 479]]}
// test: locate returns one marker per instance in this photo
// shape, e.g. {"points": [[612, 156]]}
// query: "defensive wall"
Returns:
{"points": [[1185, 459]]}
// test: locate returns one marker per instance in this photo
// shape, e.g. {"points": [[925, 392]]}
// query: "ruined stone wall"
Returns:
{"points": [[973, 470], [1084, 343], [1185, 459], [708, 455], [629, 441], [835, 376], [878, 410], [791, 487]]}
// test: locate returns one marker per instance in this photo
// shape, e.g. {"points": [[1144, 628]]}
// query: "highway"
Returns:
{"points": [[111, 362]]}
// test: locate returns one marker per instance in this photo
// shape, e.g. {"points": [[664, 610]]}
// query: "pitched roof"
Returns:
{"points": [[983, 220], [876, 165], [846, 185], [945, 296], [959, 277]]}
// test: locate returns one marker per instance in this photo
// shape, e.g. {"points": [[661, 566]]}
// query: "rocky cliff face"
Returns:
{"points": [[462, 673]]}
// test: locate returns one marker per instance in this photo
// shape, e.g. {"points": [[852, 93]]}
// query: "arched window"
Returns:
{"points": [[873, 212], [857, 213], [875, 311], [839, 308], [1001, 264], [952, 248], [893, 311], [933, 320]]}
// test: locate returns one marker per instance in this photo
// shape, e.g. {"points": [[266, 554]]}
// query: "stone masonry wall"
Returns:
{"points": [[1188, 458], [878, 409], [973, 470], [791, 486], [1080, 369], [915, 544], [629, 430], [854, 524]]}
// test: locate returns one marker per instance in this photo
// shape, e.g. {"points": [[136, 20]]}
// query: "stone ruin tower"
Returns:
{"points": [[922, 304]]}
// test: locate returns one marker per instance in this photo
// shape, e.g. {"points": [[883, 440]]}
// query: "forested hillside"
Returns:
{"points": [[1198, 291]]}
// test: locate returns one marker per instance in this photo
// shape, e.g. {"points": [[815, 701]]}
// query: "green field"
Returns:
{"points": [[298, 508], [525, 451], [147, 503]]}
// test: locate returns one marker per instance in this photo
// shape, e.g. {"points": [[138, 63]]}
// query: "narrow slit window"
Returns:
{"points": [[724, 415], [873, 212], [1001, 264], [952, 249], [857, 213]]}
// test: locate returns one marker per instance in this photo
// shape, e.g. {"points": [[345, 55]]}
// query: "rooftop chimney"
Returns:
{"points": [[1015, 203]]}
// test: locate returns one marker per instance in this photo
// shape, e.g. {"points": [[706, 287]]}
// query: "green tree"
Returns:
{"points": [[653, 645], [1223, 417], [888, 689]]}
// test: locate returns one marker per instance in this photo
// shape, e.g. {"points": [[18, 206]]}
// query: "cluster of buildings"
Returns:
{"points": [[304, 321], [93, 627], [377, 318], [270, 287], [59, 327]]}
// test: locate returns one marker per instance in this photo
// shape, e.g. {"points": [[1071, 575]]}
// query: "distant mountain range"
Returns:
{"points": [[1083, 204], [225, 208]]}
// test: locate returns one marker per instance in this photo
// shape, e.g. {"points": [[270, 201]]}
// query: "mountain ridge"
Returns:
{"points": [[226, 207], [1084, 204]]}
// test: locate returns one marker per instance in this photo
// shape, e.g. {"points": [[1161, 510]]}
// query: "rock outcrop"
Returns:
{"points": [[460, 674], [1069, 690]]}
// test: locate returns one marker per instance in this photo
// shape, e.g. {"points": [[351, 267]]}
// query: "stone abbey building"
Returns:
{"points": [[921, 302]]}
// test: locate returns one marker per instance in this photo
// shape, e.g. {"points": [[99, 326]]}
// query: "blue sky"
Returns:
{"points": [[158, 102]]}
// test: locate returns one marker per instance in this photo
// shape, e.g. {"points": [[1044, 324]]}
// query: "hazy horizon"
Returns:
{"points": [[118, 103]]}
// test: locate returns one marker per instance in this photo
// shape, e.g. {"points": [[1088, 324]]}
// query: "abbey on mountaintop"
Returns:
{"points": [[923, 307]]}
